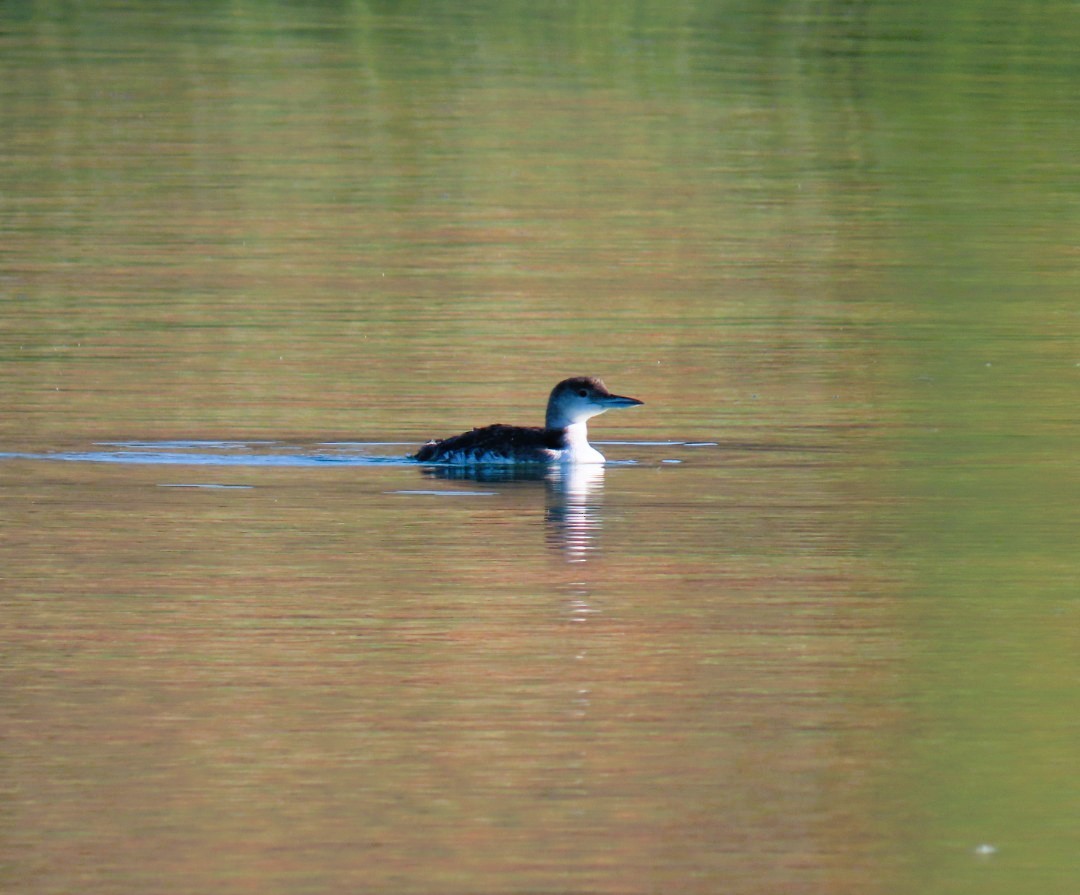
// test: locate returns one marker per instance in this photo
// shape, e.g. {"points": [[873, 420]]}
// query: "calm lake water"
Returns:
{"points": [[812, 629]]}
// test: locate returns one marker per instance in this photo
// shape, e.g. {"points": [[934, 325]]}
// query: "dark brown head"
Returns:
{"points": [[580, 398]]}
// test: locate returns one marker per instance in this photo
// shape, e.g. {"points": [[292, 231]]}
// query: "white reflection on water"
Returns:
{"points": [[574, 509], [572, 499]]}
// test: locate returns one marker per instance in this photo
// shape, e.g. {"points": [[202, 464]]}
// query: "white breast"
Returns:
{"points": [[578, 449]]}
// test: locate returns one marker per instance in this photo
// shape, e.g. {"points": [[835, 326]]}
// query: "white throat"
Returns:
{"points": [[578, 449]]}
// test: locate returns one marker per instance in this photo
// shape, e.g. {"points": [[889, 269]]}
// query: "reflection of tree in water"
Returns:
{"points": [[572, 510]]}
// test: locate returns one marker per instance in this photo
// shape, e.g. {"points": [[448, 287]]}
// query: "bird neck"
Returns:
{"points": [[553, 419], [576, 447]]}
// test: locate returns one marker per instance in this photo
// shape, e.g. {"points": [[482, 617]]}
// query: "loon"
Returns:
{"points": [[563, 438]]}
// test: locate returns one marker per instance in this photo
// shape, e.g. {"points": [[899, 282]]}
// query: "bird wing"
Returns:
{"points": [[522, 442]]}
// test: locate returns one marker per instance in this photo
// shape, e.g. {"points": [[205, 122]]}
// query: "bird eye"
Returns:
{"points": [[582, 393]]}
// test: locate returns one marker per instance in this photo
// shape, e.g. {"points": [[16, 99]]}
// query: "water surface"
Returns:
{"points": [[808, 631]]}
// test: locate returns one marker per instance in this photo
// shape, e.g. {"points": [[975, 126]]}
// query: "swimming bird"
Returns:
{"points": [[562, 439]]}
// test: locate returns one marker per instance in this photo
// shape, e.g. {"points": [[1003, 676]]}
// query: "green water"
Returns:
{"points": [[818, 636]]}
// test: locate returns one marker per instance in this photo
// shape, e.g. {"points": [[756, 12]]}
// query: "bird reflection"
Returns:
{"points": [[572, 508], [573, 516]]}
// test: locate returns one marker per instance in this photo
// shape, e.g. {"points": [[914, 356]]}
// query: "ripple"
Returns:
{"points": [[214, 453], [187, 452], [213, 485]]}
